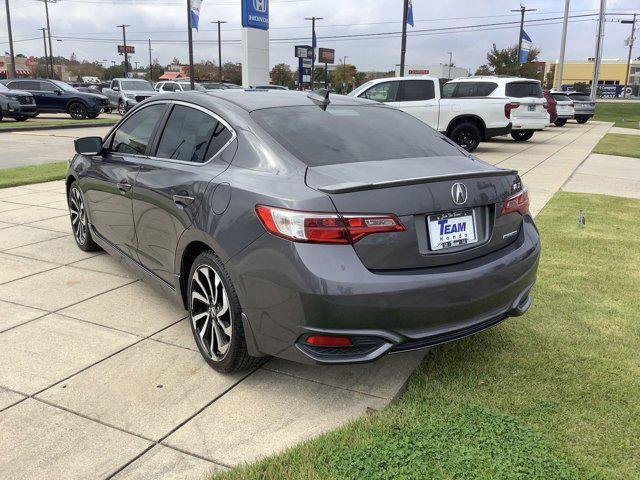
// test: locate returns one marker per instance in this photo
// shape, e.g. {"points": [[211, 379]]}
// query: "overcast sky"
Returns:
{"points": [[92, 24]]}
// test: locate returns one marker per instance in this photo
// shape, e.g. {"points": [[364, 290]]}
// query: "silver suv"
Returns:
{"points": [[126, 93]]}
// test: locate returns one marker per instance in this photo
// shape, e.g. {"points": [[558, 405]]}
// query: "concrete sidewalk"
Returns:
{"points": [[607, 175], [100, 377]]}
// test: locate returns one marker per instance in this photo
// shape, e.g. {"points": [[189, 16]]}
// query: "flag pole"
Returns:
{"points": [[403, 50], [190, 45]]}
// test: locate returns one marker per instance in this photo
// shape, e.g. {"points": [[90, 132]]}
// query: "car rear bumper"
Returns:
{"points": [[533, 123], [289, 291], [497, 132]]}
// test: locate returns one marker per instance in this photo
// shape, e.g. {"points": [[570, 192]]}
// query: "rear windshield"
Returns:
{"points": [[581, 98], [140, 85], [560, 98], [348, 134], [523, 89]]}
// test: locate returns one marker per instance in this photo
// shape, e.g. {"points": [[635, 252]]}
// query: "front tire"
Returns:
{"points": [[122, 109], [80, 220], [522, 135], [561, 122], [78, 111], [216, 316], [466, 135], [20, 118]]}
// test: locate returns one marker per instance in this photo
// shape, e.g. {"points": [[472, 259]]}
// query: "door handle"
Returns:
{"points": [[183, 200], [124, 186]]}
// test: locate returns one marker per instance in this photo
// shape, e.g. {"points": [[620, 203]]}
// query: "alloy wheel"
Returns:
{"points": [[210, 312], [78, 216], [466, 139], [121, 108], [77, 111]]}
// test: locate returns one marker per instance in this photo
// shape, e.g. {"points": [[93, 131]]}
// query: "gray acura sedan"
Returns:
{"points": [[320, 229]]}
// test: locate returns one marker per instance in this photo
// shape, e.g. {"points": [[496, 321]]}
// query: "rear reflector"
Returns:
{"points": [[517, 203], [316, 227], [510, 106], [329, 341]]}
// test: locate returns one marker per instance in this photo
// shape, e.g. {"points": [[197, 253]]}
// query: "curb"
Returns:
{"points": [[56, 127]]}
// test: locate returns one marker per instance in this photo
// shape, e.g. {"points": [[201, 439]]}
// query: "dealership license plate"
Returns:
{"points": [[532, 108], [453, 229]]}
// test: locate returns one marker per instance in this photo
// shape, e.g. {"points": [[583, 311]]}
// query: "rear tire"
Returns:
{"points": [[467, 135], [216, 316], [78, 111], [582, 119], [522, 135], [122, 109], [561, 122], [80, 220]]}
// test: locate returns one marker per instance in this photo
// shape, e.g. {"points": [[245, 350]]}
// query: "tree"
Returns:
{"points": [[343, 76], [582, 87], [232, 72], [506, 62], [158, 70], [281, 74], [549, 79], [205, 70]]}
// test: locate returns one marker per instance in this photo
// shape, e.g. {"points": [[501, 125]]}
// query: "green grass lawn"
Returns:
{"points": [[619, 144], [554, 394], [11, 177], [624, 114], [8, 123]]}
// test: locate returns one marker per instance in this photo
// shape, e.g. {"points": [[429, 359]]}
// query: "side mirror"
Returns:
{"points": [[115, 88], [58, 92], [88, 145]]}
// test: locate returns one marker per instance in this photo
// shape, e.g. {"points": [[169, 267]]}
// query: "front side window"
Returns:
{"points": [[523, 89], [134, 134], [383, 92], [48, 87], [416, 90], [189, 134]]}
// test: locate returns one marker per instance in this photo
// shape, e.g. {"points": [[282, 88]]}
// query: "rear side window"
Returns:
{"points": [[25, 85], [473, 89], [523, 89], [189, 134], [416, 90], [348, 134], [134, 134], [383, 92]]}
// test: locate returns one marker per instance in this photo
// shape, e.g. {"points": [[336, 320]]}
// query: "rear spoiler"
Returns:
{"points": [[358, 186]]}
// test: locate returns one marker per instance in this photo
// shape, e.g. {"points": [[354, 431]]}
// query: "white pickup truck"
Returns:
{"points": [[466, 120]]}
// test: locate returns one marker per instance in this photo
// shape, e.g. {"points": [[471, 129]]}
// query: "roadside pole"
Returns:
{"points": [[326, 75], [403, 48], [633, 32], [219, 22], [11, 73], [150, 63], [523, 9], [46, 10], [563, 44], [598, 55], [190, 45], [46, 55], [313, 46], [126, 55]]}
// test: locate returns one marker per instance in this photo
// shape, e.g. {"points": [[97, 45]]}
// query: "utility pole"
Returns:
{"points": [[46, 55], [126, 55], [313, 45], [192, 81], [11, 73], [150, 63], [46, 11], [598, 55], [403, 48], [563, 44], [450, 60], [631, 40], [523, 9], [219, 22]]}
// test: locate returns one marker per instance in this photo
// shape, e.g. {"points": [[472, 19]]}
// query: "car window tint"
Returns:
{"points": [[383, 92], [581, 98], [560, 98], [523, 89], [187, 135], [485, 88], [416, 90], [134, 134], [448, 89], [347, 134], [25, 85], [48, 87], [169, 87], [221, 136]]}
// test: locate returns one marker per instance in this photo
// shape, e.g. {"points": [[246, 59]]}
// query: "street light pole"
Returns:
{"points": [[598, 55], [46, 55], [403, 48], [124, 43], [523, 9], [450, 60], [631, 39], [150, 63], [11, 73], [563, 44], [219, 22], [313, 46]]}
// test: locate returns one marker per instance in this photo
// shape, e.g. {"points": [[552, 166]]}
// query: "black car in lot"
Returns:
{"points": [[53, 96], [320, 230], [16, 104]]}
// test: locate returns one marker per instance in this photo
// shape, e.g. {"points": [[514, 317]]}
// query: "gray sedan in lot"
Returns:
{"points": [[319, 229]]}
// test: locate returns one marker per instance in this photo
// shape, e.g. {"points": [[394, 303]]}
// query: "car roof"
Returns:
{"points": [[252, 99], [494, 78]]}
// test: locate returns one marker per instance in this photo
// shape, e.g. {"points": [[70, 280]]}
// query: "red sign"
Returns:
{"points": [[326, 55], [418, 72], [130, 49]]}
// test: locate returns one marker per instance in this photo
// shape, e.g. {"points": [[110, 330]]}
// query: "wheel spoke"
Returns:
{"points": [[224, 308], [222, 343], [214, 291], [202, 288], [197, 296]]}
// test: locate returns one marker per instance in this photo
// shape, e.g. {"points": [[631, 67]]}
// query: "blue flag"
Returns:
{"points": [[410, 14], [195, 13], [527, 43]]}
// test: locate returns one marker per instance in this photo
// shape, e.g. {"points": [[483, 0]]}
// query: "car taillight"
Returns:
{"points": [[313, 227], [517, 203], [508, 107], [329, 341]]}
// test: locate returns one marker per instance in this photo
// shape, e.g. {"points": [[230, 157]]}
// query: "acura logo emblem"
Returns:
{"points": [[459, 193]]}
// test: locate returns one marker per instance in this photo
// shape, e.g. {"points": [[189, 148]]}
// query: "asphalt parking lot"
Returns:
{"points": [[99, 375]]}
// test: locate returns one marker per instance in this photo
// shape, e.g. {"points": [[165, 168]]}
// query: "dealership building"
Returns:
{"points": [[612, 72]]}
